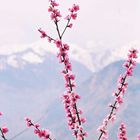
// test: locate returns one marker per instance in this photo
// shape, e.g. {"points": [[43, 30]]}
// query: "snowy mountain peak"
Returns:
{"points": [[93, 56]]}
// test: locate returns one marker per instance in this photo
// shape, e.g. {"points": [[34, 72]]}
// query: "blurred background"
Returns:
{"points": [[30, 80]]}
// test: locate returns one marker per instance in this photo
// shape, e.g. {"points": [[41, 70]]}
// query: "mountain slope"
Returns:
{"points": [[99, 89], [35, 91]]}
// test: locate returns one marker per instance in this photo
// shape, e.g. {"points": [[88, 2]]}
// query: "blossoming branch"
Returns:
{"points": [[121, 89], [122, 132], [70, 97], [3, 130], [42, 133]]}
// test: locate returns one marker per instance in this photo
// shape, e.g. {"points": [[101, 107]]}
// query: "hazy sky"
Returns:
{"points": [[109, 22]]}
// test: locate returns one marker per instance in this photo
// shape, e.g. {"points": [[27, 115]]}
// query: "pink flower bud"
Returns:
{"points": [[4, 130], [74, 16], [70, 25], [43, 34], [1, 113]]}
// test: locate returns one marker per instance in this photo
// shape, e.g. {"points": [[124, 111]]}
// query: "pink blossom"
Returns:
{"points": [[70, 25], [67, 17], [53, 3], [85, 134], [104, 132], [50, 9], [66, 61], [122, 132], [80, 111], [75, 7], [83, 120], [74, 16], [119, 100], [58, 43], [121, 79], [70, 97], [37, 125], [42, 133], [57, 12], [54, 12], [4, 129], [133, 53], [129, 72], [53, 16], [1, 113], [66, 46], [43, 34], [28, 122], [72, 76], [49, 39], [113, 118], [69, 67], [129, 64], [131, 61]]}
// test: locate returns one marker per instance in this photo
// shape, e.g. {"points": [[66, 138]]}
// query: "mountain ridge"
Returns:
{"points": [[93, 57]]}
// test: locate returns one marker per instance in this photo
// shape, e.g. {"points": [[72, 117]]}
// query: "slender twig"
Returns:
{"points": [[60, 37], [2, 135], [57, 28], [38, 129], [114, 105], [65, 27]]}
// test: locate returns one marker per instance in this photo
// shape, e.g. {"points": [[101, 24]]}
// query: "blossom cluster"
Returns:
{"points": [[55, 13], [43, 35], [42, 133], [122, 132], [3, 130], [121, 89], [70, 97], [129, 64], [73, 12]]}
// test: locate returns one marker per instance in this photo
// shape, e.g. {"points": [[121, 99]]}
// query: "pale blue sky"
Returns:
{"points": [[110, 22]]}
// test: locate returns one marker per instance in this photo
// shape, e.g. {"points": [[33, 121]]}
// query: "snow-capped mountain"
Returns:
{"points": [[36, 91], [33, 90], [93, 56], [31, 85], [99, 89]]}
